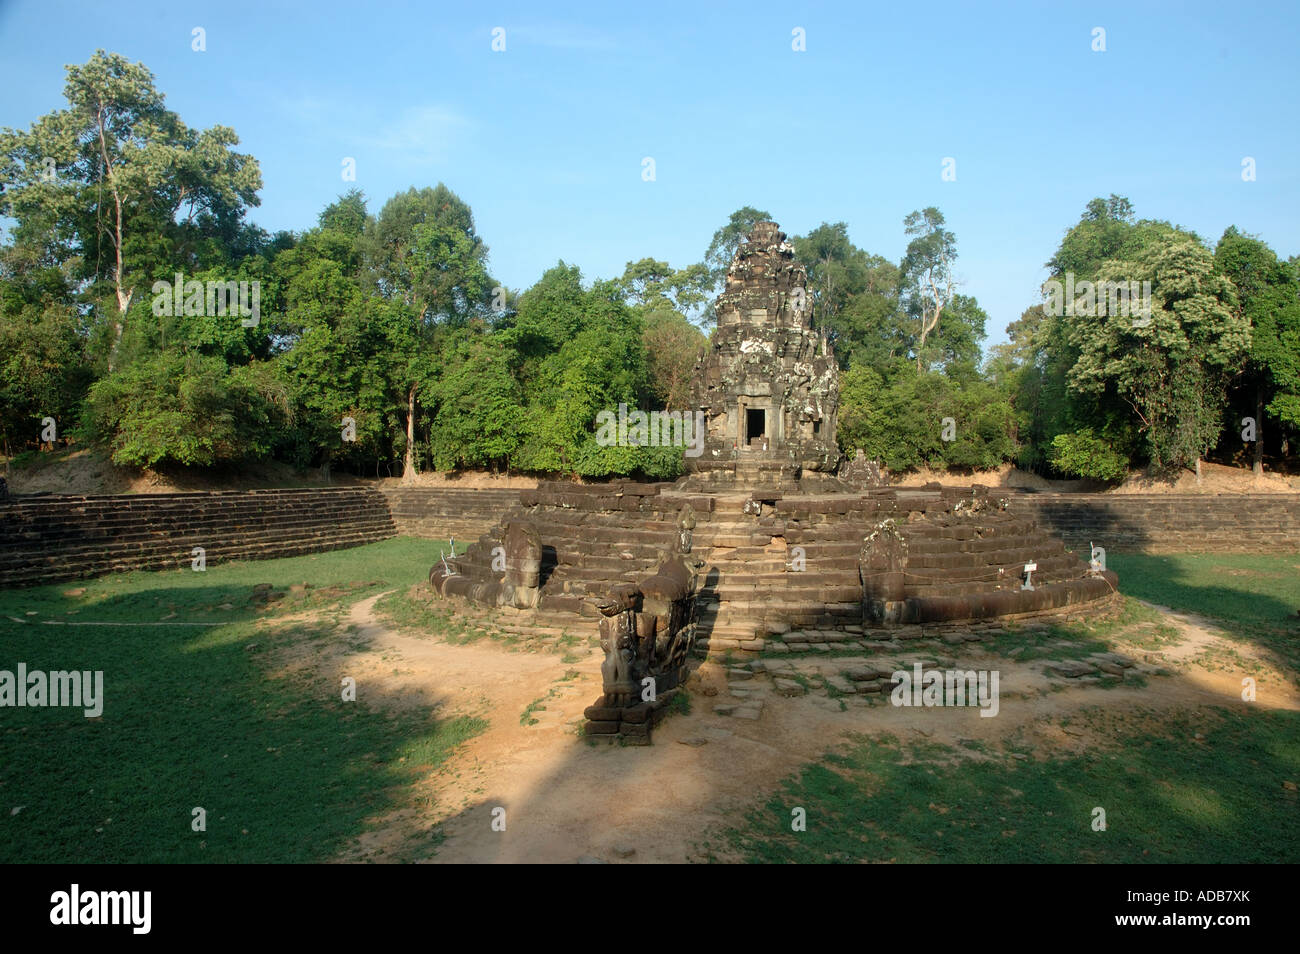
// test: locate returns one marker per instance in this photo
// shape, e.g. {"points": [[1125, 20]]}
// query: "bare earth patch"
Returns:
{"points": [[90, 471], [466, 480], [1215, 479], [566, 799]]}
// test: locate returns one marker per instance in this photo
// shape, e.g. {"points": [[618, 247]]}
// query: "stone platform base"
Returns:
{"points": [[857, 638], [631, 724], [1003, 603]]}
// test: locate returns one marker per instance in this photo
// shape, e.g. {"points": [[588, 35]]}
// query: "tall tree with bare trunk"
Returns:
{"points": [[99, 185], [927, 272]]}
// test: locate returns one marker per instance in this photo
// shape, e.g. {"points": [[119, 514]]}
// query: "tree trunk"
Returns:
{"points": [[123, 295], [408, 462], [926, 328], [939, 302], [1258, 466], [1198, 471]]}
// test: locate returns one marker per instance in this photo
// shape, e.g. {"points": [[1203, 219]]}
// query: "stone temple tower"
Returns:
{"points": [[769, 385]]}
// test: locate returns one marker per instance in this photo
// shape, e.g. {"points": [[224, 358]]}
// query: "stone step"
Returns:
{"points": [[1063, 564], [129, 524], [90, 551], [38, 576], [71, 543], [61, 537]]}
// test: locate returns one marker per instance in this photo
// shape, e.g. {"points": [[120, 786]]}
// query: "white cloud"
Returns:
{"points": [[421, 133], [562, 36]]}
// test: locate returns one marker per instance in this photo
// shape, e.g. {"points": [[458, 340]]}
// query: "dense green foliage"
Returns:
{"points": [[1086, 455], [383, 344]]}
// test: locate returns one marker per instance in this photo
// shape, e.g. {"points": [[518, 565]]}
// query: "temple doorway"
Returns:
{"points": [[755, 426]]}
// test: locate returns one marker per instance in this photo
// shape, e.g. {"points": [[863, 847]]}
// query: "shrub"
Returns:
{"points": [[1084, 454]]}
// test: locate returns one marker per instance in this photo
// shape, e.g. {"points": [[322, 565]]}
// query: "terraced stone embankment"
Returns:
{"points": [[773, 563], [55, 538]]}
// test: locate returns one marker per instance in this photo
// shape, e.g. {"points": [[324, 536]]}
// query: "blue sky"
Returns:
{"points": [[546, 139]]}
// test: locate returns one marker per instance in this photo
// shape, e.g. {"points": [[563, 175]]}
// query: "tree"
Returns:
{"points": [[855, 297], [722, 249], [332, 346], [662, 296], [955, 344], [654, 284], [901, 422], [546, 315], [1048, 401], [1105, 232], [579, 352], [673, 346], [1173, 370], [1016, 369], [1268, 297], [870, 329], [428, 260], [927, 274], [837, 269], [186, 409], [1086, 455], [43, 366], [114, 172], [347, 215], [478, 404]]}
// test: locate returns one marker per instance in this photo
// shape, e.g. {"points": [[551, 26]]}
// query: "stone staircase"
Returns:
{"points": [[791, 564], [52, 539], [774, 563], [777, 564], [963, 565]]}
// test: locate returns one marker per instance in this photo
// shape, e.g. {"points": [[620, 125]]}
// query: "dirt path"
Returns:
{"points": [[565, 799]]}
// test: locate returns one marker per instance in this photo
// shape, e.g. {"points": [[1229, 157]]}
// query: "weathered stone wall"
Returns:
{"points": [[798, 562], [1166, 523], [592, 536], [437, 513], [56, 538], [1240, 523]]}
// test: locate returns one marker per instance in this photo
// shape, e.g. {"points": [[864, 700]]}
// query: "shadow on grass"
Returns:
{"points": [[1170, 797], [1255, 596], [288, 772], [1195, 780], [284, 768]]}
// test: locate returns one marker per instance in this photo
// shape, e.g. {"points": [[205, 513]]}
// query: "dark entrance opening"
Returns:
{"points": [[755, 424]]}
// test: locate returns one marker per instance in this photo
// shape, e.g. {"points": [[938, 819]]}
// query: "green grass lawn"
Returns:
{"points": [[193, 717], [1256, 596], [1168, 796]]}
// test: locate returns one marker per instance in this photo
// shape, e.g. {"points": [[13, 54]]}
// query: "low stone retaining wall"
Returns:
{"points": [[1166, 523], [438, 513], [55, 538], [52, 539]]}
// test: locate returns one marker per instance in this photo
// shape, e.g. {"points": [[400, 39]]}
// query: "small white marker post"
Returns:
{"points": [[1028, 582]]}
